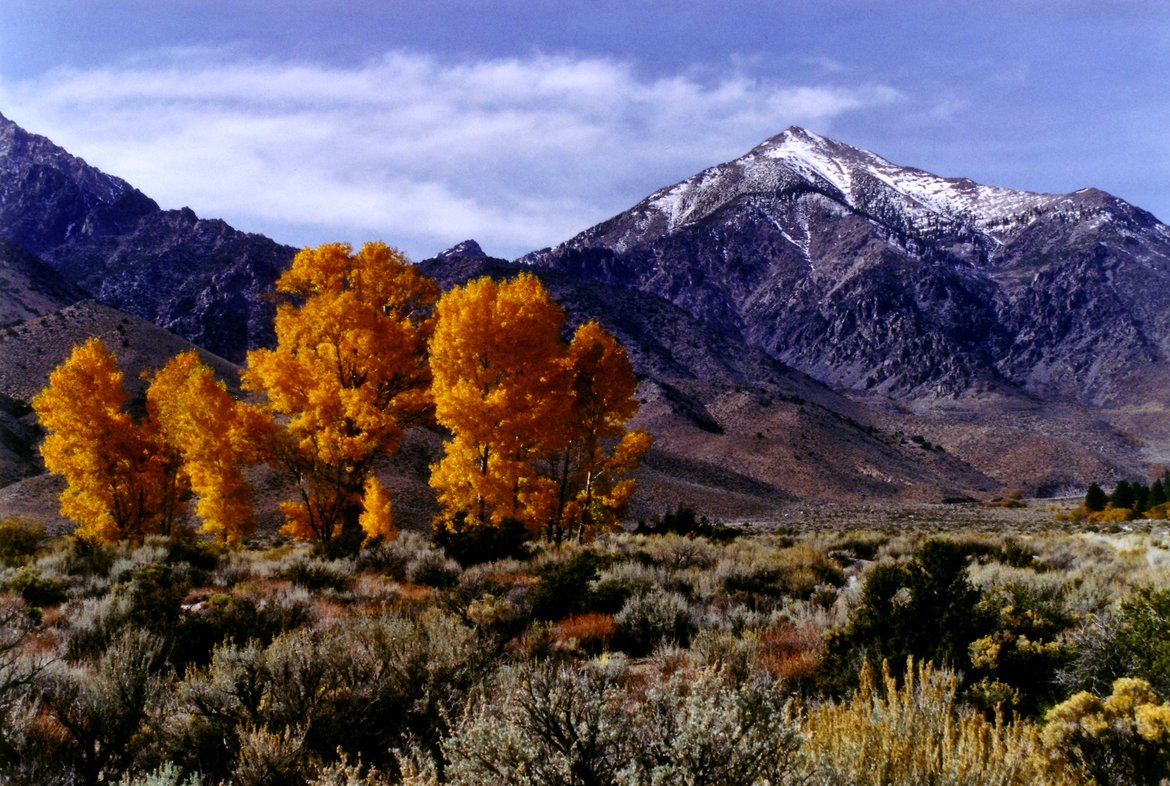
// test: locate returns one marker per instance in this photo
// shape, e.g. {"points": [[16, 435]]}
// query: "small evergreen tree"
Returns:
{"points": [[1095, 498], [1122, 496], [1157, 493], [1141, 497]]}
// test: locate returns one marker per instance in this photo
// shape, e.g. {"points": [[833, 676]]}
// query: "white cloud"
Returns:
{"points": [[517, 153]]}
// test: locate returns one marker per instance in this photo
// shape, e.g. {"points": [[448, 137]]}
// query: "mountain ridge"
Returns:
{"points": [[838, 262]]}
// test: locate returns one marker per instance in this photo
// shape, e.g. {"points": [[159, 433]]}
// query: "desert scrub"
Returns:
{"points": [[649, 620], [363, 686], [925, 609], [100, 710], [392, 557], [20, 538], [1120, 740], [1132, 640], [589, 723], [911, 732], [315, 574]]}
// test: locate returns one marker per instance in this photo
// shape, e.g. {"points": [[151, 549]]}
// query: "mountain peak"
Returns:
{"points": [[467, 248]]}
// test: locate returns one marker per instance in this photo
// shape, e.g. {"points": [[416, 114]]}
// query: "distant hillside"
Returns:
{"points": [[199, 278]]}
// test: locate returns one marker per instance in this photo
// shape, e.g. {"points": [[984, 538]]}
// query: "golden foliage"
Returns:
{"points": [[599, 453], [914, 734], [501, 389], [121, 481], [346, 378], [537, 425], [198, 417], [376, 519], [1124, 737]]}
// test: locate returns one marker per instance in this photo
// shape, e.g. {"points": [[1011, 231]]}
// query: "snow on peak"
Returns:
{"points": [[852, 172], [855, 177]]}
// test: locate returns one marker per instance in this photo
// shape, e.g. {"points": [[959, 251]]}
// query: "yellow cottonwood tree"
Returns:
{"points": [[347, 376], [537, 426], [122, 481], [501, 389], [198, 417], [591, 470]]}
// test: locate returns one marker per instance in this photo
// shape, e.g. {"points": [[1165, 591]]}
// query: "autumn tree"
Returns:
{"points": [[537, 426], [501, 389], [347, 376], [198, 417], [121, 480], [592, 469]]}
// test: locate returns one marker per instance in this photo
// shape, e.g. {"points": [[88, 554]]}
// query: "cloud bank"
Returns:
{"points": [[517, 153]]}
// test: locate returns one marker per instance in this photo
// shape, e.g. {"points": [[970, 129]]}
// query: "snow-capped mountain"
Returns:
{"points": [[874, 276]]}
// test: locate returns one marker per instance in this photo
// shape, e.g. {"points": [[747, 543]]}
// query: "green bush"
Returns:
{"points": [[37, 590], [476, 545], [1132, 641], [926, 609], [563, 588]]}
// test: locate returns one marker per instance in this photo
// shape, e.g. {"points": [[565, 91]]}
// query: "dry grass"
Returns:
{"points": [[914, 734]]}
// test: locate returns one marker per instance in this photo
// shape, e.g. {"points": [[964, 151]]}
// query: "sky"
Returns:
{"points": [[521, 122]]}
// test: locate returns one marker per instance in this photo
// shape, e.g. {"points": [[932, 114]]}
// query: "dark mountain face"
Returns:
{"points": [[876, 277], [202, 279]]}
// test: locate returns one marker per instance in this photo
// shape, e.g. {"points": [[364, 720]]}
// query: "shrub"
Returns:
{"points": [[563, 588], [318, 574], [1132, 641], [166, 775], [478, 544], [685, 521], [19, 539], [926, 609], [647, 621], [433, 568], [269, 758], [591, 632], [103, 709], [618, 583], [912, 732], [544, 724], [695, 728], [37, 590], [1121, 740], [392, 557]]}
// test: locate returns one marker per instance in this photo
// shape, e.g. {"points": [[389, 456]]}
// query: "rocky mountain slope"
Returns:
{"points": [[876, 277], [200, 278]]}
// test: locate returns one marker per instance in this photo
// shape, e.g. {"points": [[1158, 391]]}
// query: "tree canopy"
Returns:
{"points": [[348, 375], [121, 480], [533, 420]]}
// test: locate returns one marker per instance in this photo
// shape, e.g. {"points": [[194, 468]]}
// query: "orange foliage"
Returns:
{"points": [[501, 390], [199, 418], [537, 426], [376, 519], [347, 376], [591, 632], [121, 481], [599, 453]]}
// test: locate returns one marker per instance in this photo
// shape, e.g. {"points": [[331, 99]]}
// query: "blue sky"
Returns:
{"points": [[425, 122]]}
